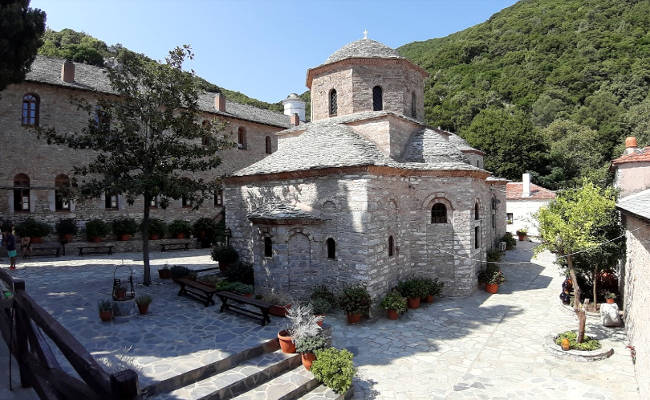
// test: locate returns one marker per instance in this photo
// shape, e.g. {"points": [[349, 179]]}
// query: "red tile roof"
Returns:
{"points": [[514, 189], [642, 155]]}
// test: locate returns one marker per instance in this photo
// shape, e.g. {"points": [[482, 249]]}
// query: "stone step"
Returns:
{"points": [[237, 380], [322, 392], [289, 386], [207, 371]]}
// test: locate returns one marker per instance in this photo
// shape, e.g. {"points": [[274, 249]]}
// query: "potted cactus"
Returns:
{"points": [[394, 304]]}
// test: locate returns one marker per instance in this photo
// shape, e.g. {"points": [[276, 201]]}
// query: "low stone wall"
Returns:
{"points": [[133, 245]]}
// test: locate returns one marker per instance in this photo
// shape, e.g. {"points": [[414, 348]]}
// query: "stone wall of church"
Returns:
{"points": [[339, 80], [22, 152]]}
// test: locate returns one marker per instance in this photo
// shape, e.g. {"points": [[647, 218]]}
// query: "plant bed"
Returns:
{"points": [[553, 346]]}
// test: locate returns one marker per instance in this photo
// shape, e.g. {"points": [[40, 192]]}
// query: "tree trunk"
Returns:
{"points": [[145, 240], [580, 312]]}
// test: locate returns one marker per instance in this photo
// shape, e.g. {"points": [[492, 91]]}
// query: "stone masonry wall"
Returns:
{"points": [[636, 300], [341, 81]]}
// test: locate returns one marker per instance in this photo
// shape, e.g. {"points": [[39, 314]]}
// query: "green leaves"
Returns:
{"points": [[334, 368]]}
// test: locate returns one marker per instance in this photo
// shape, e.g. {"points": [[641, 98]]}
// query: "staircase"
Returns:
{"points": [[261, 372]]}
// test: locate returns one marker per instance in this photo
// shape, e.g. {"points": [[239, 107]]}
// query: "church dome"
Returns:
{"points": [[364, 48]]}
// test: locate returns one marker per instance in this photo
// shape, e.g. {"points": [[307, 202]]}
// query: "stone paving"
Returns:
{"points": [[486, 346]]}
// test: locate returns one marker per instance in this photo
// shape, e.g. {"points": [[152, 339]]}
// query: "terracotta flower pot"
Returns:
{"points": [[354, 318], [154, 237], [307, 359], [96, 239], [286, 342], [566, 345], [428, 298], [164, 273], [124, 238], [521, 236], [180, 236], [67, 237], [392, 314], [143, 308], [322, 321], [491, 288], [610, 301], [414, 302], [106, 315], [279, 311], [36, 240]]}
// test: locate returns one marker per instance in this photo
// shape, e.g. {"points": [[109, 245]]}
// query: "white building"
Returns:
{"points": [[523, 200]]}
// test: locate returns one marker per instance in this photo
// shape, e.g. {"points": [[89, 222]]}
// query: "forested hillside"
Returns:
{"points": [[551, 86], [81, 47]]}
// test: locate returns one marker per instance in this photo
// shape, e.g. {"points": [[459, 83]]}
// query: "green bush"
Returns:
{"points": [[225, 255], [124, 226], [309, 344], [412, 288], [433, 287], [179, 226], [587, 344], [32, 228], [234, 287], [496, 278], [178, 271], [206, 230], [96, 228], [241, 272], [323, 292], [66, 226], [355, 299], [511, 242], [143, 300], [320, 305], [334, 368], [494, 255], [156, 227], [394, 301]]}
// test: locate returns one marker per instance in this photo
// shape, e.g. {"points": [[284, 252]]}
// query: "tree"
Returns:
{"points": [[21, 29], [148, 140], [575, 222]]}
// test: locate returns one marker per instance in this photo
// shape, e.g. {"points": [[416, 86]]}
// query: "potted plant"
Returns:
{"points": [[120, 292], [96, 229], [178, 271], [66, 229], [302, 323], [206, 229], [334, 368], [433, 287], [413, 290], [494, 280], [105, 310], [321, 307], [355, 301], [307, 345], [33, 229], [165, 272], [124, 228], [143, 303], [157, 228], [179, 229], [394, 304], [521, 234], [610, 297], [225, 256], [279, 306], [323, 292]]}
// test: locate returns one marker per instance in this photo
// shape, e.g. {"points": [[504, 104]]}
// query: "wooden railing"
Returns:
{"points": [[23, 324]]}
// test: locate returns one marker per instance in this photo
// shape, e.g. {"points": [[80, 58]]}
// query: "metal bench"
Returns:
{"points": [[108, 249], [226, 305]]}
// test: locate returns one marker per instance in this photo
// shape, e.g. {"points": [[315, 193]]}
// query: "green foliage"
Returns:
{"points": [[309, 344], [157, 227], [179, 226], [587, 344], [124, 226], [433, 286], [489, 273], [610, 295], [355, 299], [238, 287], [225, 254], [334, 368], [241, 272], [511, 242], [323, 292], [104, 305], [495, 278], [96, 228], [32, 228], [394, 301], [412, 288], [179, 271], [548, 60], [21, 28], [66, 226], [206, 230], [143, 300], [320, 305], [494, 255]]}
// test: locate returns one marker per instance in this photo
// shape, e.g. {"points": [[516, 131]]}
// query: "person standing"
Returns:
{"points": [[10, 243]]}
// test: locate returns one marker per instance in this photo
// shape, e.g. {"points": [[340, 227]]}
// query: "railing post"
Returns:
{"points": [[124, 385], [21, 336]]}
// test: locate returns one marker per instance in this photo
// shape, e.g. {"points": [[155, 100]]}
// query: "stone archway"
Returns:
{"points": [[301, 274]]}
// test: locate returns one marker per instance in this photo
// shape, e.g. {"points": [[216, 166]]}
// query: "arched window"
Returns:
{"points": [[331, 248], [476, 212], [477, 234], [21, 193], [391, 246], [268, 247], [438, 214], [333, 104], [61, 193], [269, 149], [241, 138], [414, 105], [31, 104], [377, 100]]}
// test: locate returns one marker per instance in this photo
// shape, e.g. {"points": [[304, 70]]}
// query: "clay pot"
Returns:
{"points": [[491, 288], [428, 298], [106, 315], [279, 311], [121, 294], [96, 239], [36, 240], [392, 314], [67, 237], [143, 308], [286, 342], [180, 236], [521, 236], [566, 345], [124, 238], [154, 237], [610, 301], [414, 302], [164, 273], [307, 359], [322, 321], [354, 318]]}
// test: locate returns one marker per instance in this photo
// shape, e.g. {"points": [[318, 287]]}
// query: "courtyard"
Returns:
{"points": [[482, 346]]}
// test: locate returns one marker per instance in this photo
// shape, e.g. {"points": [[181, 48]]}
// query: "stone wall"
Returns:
{"points": [[636, 297]]}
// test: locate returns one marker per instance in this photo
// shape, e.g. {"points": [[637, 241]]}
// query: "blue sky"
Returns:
{"points": [[262, 48]]}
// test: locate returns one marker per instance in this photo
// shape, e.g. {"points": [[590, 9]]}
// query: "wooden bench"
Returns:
{"points": [[43, 250], [196, 290], [96, 250], [226, 305], [175, 246]]}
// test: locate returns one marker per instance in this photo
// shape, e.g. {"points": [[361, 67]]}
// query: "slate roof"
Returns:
{"points": [[637, 204], [364, 48], [642, 155], [89, 77], [432, 146], [514, 192], [281, 211]]}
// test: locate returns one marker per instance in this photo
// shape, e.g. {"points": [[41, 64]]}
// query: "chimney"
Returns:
{"points": [[525, 185], [220, 102], [67, 71], [295, 119], [630, 145]]}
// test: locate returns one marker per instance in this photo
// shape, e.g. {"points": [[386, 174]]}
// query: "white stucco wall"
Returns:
{"points": [[522, 213]]}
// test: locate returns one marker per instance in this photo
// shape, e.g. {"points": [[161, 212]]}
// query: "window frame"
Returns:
{"points": [[414, 107], [377, 98], [218, 198], [332, 102], [108, 201], [242, 143], [477, 233], [391, 246], [22, 191], [330, 244], [268, 247], [26, 117], [438, 219], [186, 202], [61, 182], [268, 146]]}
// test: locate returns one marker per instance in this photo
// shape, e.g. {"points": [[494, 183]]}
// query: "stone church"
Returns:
{"points": [[365, 192]]}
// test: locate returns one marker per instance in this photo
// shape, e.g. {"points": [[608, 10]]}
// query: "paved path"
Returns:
{"points": [[485, 346]]}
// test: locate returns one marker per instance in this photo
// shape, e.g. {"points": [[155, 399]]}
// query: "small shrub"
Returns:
{"points": [[494, 255], [105, 305], [156, 227], [178, 271], [496, 278], [511, 242], [32, 228], [433, 287], [241, 272], [302, 321], [143, 300], [309, 344], [66, 226], [179, 226], [320, 305], [587, 344], [206, 230], [355, 300], [323, 292], [96, 228], [484, 276], [334, 368], [412, 288], [394, 301], [225, 255], [124, 226]]}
